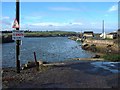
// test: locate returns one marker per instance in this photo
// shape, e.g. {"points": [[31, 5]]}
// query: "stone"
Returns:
{"points": [[96, 56], [40, 62]]}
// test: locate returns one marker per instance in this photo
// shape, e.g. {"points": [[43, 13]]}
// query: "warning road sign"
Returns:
{"points": [[17, 35], [15, 24]]}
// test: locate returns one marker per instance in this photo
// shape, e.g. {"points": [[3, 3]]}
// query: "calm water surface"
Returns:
{"points": [[51, 49]]}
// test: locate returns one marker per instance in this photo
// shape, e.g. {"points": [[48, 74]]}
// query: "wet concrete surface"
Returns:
{"points": [[91, 69]]}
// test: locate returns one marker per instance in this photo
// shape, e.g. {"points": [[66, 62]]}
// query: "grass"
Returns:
{"points": [[112, 57], [49, 33], [44, 33], [115, 57]]}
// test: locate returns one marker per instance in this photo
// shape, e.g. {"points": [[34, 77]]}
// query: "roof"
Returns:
{"points": [[88, 32], [113, 33]]}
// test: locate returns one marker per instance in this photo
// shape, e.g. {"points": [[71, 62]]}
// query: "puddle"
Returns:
{"points": [[110, 66]]}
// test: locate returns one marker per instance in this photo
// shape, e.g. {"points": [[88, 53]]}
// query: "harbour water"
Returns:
{"points": [[50, 49]]}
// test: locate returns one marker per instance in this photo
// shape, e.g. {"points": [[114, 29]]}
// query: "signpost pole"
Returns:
{"points": [[17, 41]]}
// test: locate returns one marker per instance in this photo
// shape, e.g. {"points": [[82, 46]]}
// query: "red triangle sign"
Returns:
{"points": [[15, 24]]}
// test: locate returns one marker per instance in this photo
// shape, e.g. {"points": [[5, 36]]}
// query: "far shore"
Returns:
{"points": [[7, 35]]}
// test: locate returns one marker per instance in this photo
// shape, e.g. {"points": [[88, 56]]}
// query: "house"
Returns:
{"points": [[88, 34], [112, 35], [118, 32]]}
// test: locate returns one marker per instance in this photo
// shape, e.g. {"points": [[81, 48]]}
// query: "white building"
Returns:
{"points": [[103, 35]]}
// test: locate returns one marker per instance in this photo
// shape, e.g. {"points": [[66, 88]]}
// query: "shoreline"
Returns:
{"points": [[71, 60], [90, 59]]}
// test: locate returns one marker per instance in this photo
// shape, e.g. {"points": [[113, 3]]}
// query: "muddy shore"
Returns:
{"points": [[67, 75]]}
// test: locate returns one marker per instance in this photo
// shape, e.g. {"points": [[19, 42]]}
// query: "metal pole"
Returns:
{"points": [[17, 41]]}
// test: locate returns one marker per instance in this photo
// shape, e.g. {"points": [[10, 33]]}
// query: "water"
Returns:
{"points": [[110, 66], [51, 49]]}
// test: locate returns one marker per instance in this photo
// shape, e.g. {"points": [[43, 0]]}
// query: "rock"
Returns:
{"points": [[109, 46], [44, 62], [96, 56], [31, 64], [93, 48], [24, 66], [40, 62], [28, 65], [93, 45], [85, 46]]}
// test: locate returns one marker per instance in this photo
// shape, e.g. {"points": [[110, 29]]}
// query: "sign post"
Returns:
{"points": [[16, 25]]}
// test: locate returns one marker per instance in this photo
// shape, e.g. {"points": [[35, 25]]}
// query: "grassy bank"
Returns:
{"points": [[6, 36], [109, 54], [49, 33], [112, 57], [43, 33]]}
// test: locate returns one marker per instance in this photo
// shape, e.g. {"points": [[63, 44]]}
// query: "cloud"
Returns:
{"points": [[93, 23], [32, 17], [6, 23], [76, 23], [5, 17], [113, 8], [56, 24], [48, 24], [62, 9]]}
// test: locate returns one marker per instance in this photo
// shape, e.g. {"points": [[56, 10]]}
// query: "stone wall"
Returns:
{"points": [[108, 42], [6, 39], [102, 46]]}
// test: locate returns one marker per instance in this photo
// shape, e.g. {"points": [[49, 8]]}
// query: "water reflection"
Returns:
{"points": [[110, 66]]}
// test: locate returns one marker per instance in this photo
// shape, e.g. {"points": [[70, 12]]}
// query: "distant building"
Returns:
{"points": [[103, 35], [88, 34], [118, 32], [112, 35]]}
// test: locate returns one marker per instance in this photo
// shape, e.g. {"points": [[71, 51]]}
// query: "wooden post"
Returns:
{"points": [[37, 64], [35, 57], [17, 41]]}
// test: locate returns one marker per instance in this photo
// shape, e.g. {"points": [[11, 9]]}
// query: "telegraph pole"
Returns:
{"points": [[17, 41]]}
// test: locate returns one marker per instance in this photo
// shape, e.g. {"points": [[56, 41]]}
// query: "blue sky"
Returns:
{"points": [[70, 16]]}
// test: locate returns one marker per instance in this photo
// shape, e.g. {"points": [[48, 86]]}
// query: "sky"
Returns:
{"points": [[64, 16]]}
